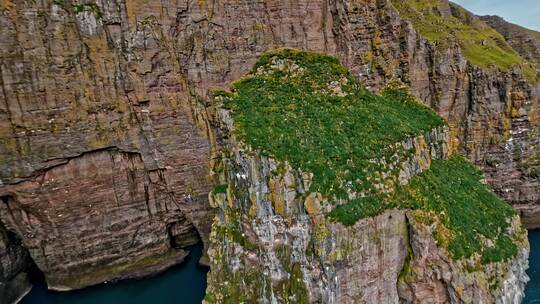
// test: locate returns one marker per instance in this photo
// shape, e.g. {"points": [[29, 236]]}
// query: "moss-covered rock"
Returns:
{"points": [[331, 188]]}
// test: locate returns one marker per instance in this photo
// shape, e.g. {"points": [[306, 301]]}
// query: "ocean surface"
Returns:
{"points": [[532, 293], [186, 283], [182, 284]]}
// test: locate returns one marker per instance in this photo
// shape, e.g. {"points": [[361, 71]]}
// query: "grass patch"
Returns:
{"points": [[468, 209], [88, 7], [307, 109], [220, 188]]}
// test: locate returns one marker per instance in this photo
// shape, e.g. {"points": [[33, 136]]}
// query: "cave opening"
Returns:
{"points": [[15, 260], [182, 234], [24, 282]]}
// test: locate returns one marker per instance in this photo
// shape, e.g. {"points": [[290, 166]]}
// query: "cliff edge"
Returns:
{"points": [[331, 194]]}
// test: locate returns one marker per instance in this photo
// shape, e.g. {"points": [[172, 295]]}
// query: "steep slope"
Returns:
{"points": [[525, 41], [92, 85], [507, 145], [332, 194], [443, 23]]}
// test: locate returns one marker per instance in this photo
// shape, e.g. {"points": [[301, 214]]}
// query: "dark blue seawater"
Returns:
{"points": [[532, 293], [182, 284], [186, 283]]}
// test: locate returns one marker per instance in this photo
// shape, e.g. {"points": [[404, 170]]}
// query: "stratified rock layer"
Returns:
{"points": [[131, 76], [523, 192], [134, 227]]}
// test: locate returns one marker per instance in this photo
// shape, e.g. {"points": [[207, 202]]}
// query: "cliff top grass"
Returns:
{"points": [[307, 109], [452, 191], [481, 45]]}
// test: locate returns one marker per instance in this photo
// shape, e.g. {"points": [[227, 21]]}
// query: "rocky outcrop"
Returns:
{"points": [[132, 76], [270, 253], [432, 276], [275, 239]]}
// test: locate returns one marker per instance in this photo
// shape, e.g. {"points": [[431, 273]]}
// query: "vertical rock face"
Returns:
{"points": [[103, 168], [432, 276], [122, 84], [523, 192]]}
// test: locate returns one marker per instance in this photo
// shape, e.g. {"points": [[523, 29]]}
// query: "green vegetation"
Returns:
{"points": [[452, 191], [305, 108], [233, 232], [79, 8], [532, 165], [481, 44], [220, 188], [314, 114], [88, 7]]}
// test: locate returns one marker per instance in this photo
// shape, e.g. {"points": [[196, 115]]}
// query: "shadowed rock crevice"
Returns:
{"points": [[182, 235], [14, 265]]}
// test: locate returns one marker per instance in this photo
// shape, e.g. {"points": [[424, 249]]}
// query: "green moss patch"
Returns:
{"points": [[468, 210], [220, 188], [88, 7]]}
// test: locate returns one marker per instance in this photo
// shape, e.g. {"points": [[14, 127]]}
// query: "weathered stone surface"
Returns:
{"points": [[98, 217], [432, 277], [523, 188], [103, 170], [134, 75]]}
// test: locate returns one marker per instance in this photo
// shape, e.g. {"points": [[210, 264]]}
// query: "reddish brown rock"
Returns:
{"points": [[88, 85], [104, 215]]}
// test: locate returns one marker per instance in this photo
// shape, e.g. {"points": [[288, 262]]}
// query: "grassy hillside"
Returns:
{"points": [[452, 193], [306, 108], [481, 45]]}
